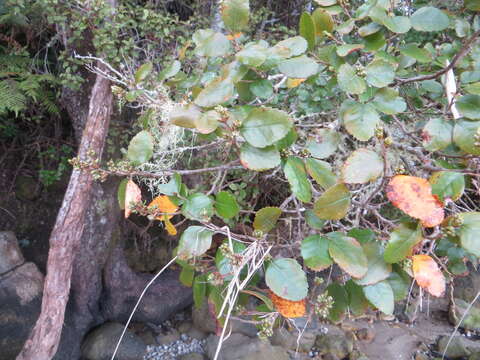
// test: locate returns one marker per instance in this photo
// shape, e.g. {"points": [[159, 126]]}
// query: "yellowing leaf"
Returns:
{"points": [[428, 275], [169, 226], [413, 195], [234, 36], [133, 194], [288, 308], [163, 204], [293, 83]]}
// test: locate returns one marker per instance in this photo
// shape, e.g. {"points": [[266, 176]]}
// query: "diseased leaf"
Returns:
{"points": [[428, 275], [296, 45], [208, 122], [266, 218], [413, 195], [362, 166], [185, 116], [348, 254], [294, 170], [288, 308], [162, 203], [333, 204], [133, 195], [286, 279], [347, 49]]}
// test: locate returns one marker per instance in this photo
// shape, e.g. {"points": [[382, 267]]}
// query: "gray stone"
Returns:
{"points": [[21, 289], [205, 321], [288, 340], [471, 321], [466, 287], [10, 253], [334, 346], [194, 333], [100, 344], [191, 356], [172, 336], [456, 349], [241, 347]]}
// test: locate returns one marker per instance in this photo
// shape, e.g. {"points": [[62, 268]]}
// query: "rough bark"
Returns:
{"points": [[66, 235]]}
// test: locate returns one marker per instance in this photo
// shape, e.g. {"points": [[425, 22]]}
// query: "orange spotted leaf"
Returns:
{"points": [[288, 308], [165, 205], [413, 195], [428, 275], [133, 194], [234, 36]]}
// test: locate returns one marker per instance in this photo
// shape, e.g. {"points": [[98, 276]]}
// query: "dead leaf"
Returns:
{"points": [[428, 275], [165, 205], [169, 226], [133, 194], [234, 36], [288, 308], [293, 83], [413, 195]]}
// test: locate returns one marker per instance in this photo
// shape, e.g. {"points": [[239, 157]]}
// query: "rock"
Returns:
{"points": [[366, 334], [456, 348], [471, 320], [100, 344], [194, 333], [168, 338], [21, 286], [336, 346], [184, 327], [10, 253], [466, 287], [288, 340], [357, 355], [205, 321], [241, 347], [148, 338], [191, 356]]}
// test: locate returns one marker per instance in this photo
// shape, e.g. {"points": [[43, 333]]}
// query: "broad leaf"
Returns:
{"points": [[347, 49], [210, 43], [294, 170], [378, 269], [266, 218], [264, 126], [186, 276], [381, 296], [185, 116], [296, 45], [447, 184], [133, 195], [226, 205], [469, 231], [259, 159], [307, 29], [216, 92], [122, 187], [469, 106], [253, 55], [428, 275], [400, 283], [402, 241], [323, 22], [262, 88], [235, 14], [325, 144], [412, 50], [429, 18], [321, 172], [199, 290], [360, 120], [313, 220], [223, 263], [362, 166], [198, 206], [289, 308], [380, 73], [298, 67], [348, 254], [314, 250], [208, 122], [349, 81], [464, 136], [140, 149], [173, 187], [143, 71], [387, 101], [195, 241], [357, 303], [286, 279], [397, 24], [340, 302], [334, 203], [437, 134]]}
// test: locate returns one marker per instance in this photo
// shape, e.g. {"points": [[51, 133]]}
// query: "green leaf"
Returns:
{"points": [[345, 27], [226, 205], [360, 120], [198, 206], [363, 236], [402, 241], [235, 14], [464, 136], [369, 29], [400, 283], [262, 88], [340, 302], [326, 2], [288, 140], [333, 204], [216, 92], [344, 50], [375, 41], [378, 270], [186, 276], [264, 126], [432, 86], [313, 220], [121, 193], [266, 218], [469, 106], [397, 24], [429, 18], [140, 149], [348, 254], [252, 55], [173, 187], [357, 302], [294, 170], [210, 43], [223, 263], [314, 250], [321, 172], [387, 101], [286, 279], [362, 166], [185, 116], [380, 73], [199, 290], [473, 5], [381, 296], [142, 72], [326, 143], [437, 134], [170, 70], [300, 67], [195, 241], [259, 159], [469, 231], [349, 81], [412, 50], [447, 184], [208, 122], [296, 45], [323, 21], [307, 29]]}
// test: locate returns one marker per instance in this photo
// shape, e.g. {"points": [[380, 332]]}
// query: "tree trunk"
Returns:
{"points": [[67, 232]]}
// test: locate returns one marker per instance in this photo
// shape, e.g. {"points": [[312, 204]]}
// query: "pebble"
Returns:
{"points": [[185, 345]]}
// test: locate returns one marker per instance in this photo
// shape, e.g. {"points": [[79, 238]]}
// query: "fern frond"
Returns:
{"points": [[11, 98]]}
